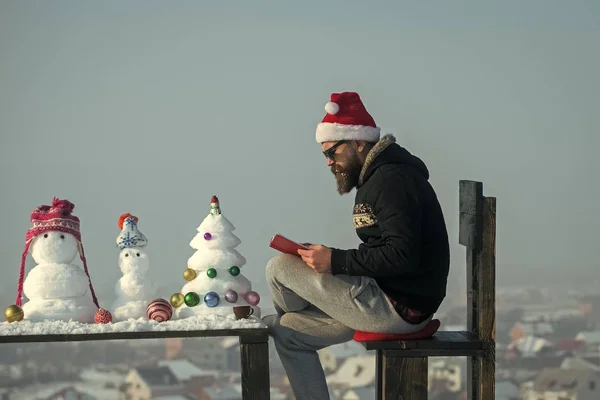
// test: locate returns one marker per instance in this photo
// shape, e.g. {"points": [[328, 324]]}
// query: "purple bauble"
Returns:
{"points": [[252, 298], [207, 236], [231, 296]]}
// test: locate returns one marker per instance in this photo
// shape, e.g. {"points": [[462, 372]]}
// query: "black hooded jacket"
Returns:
{"points": [[399, 219]]}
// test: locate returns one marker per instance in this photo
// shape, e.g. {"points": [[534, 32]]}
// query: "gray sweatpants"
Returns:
{"points": [[318, 310]]}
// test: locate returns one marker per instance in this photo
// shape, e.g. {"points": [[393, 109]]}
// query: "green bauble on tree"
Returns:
{"points": [[235, 271], [191, 299]]}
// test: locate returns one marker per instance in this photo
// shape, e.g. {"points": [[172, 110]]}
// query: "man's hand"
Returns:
{"points": [[318, 258]]}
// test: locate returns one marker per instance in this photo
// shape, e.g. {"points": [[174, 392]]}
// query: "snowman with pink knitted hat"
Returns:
{"points": [[56, 288]]}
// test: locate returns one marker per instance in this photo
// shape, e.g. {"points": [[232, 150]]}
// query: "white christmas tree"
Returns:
{"points": [[215, 283], [57, 289], [134, 290]]}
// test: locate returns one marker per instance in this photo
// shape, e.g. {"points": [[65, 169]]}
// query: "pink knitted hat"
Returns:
{"points": [[57, 217]]}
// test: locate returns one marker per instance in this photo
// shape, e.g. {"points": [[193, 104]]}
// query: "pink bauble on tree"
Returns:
{"points": [[103, 316], [252, 298]]}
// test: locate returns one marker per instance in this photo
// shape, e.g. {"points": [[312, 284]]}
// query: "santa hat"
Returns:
{"points": [[346, 119], [57, 217]]}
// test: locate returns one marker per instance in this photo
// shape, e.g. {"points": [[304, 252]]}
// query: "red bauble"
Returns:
{"points": [[159, 310], [103, 316]]}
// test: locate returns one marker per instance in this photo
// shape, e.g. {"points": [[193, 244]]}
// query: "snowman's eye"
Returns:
{"points": [[45, 235], [126, 254], [138, 254], [62, 236]]}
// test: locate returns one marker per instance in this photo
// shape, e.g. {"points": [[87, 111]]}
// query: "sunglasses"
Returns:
{"points": [[330, 152]]}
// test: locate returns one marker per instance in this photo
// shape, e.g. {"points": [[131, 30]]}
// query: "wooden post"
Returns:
{"points": [[254, 352], [478, 233], [379, 389], [400, 378]]}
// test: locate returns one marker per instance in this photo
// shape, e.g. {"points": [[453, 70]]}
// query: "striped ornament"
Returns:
{"points": [[159, 310]]}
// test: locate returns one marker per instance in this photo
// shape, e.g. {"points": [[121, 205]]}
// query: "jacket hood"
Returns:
{"points": [[387, 151]]}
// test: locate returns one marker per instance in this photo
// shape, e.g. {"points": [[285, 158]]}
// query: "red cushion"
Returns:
{"points": [[426, 332]]}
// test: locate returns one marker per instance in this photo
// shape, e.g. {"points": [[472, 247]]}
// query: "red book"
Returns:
{"points": [[285, 245]]}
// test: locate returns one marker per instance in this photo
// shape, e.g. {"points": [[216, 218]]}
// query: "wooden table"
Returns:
{"points": [[254, 350]]}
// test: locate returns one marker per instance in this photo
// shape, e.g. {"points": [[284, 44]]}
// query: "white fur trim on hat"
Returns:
{"points": [[331, 132]]}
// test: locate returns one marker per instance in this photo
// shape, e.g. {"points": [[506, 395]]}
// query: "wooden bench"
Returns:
{"points": [[254, 350], [402, 365]]}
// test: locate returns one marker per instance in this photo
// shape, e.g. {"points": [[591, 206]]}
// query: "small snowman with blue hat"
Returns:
{"points": [[134, 290]]}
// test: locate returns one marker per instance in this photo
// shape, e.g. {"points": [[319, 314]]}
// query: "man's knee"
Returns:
{"points": [[272, 267], [277, 265]]}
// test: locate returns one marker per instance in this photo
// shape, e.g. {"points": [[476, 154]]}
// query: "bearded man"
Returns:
{"points": [[392, 283]]}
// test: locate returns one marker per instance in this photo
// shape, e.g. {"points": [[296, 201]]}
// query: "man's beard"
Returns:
{"points": [[347, 177]]}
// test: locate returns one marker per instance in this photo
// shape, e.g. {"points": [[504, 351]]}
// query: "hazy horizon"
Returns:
{"points": [[151, 108]]}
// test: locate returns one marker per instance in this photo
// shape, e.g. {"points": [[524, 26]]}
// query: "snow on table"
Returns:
{"points": [[197, 323]]}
